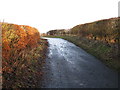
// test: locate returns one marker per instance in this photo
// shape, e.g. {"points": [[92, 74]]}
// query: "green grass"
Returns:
{"points": [[95, 48]]}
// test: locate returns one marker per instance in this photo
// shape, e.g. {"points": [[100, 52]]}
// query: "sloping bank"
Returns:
{"points": [[23, 53], [100, 50]]}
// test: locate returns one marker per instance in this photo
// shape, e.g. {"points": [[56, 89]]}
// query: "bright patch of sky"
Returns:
{"points": [[48, 15]]}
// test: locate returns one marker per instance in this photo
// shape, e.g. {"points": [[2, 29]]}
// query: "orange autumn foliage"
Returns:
{"points": [[16, 38]]}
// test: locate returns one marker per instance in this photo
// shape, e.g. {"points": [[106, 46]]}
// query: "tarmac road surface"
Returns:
{"points": [[68, 66]]}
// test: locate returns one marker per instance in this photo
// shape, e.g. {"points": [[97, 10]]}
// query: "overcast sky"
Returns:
{"points": [[47, 15]]}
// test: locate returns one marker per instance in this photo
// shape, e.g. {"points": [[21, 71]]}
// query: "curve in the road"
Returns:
{"points": [[68, 66]]}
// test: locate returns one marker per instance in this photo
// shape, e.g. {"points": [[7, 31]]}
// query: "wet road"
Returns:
{"points": [[69, 66]]}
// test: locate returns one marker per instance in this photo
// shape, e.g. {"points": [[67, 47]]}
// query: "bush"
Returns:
{"points": [[21, 52]]}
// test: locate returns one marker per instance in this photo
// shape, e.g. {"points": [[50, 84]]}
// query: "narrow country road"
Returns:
{"points": [[68, 66]]}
